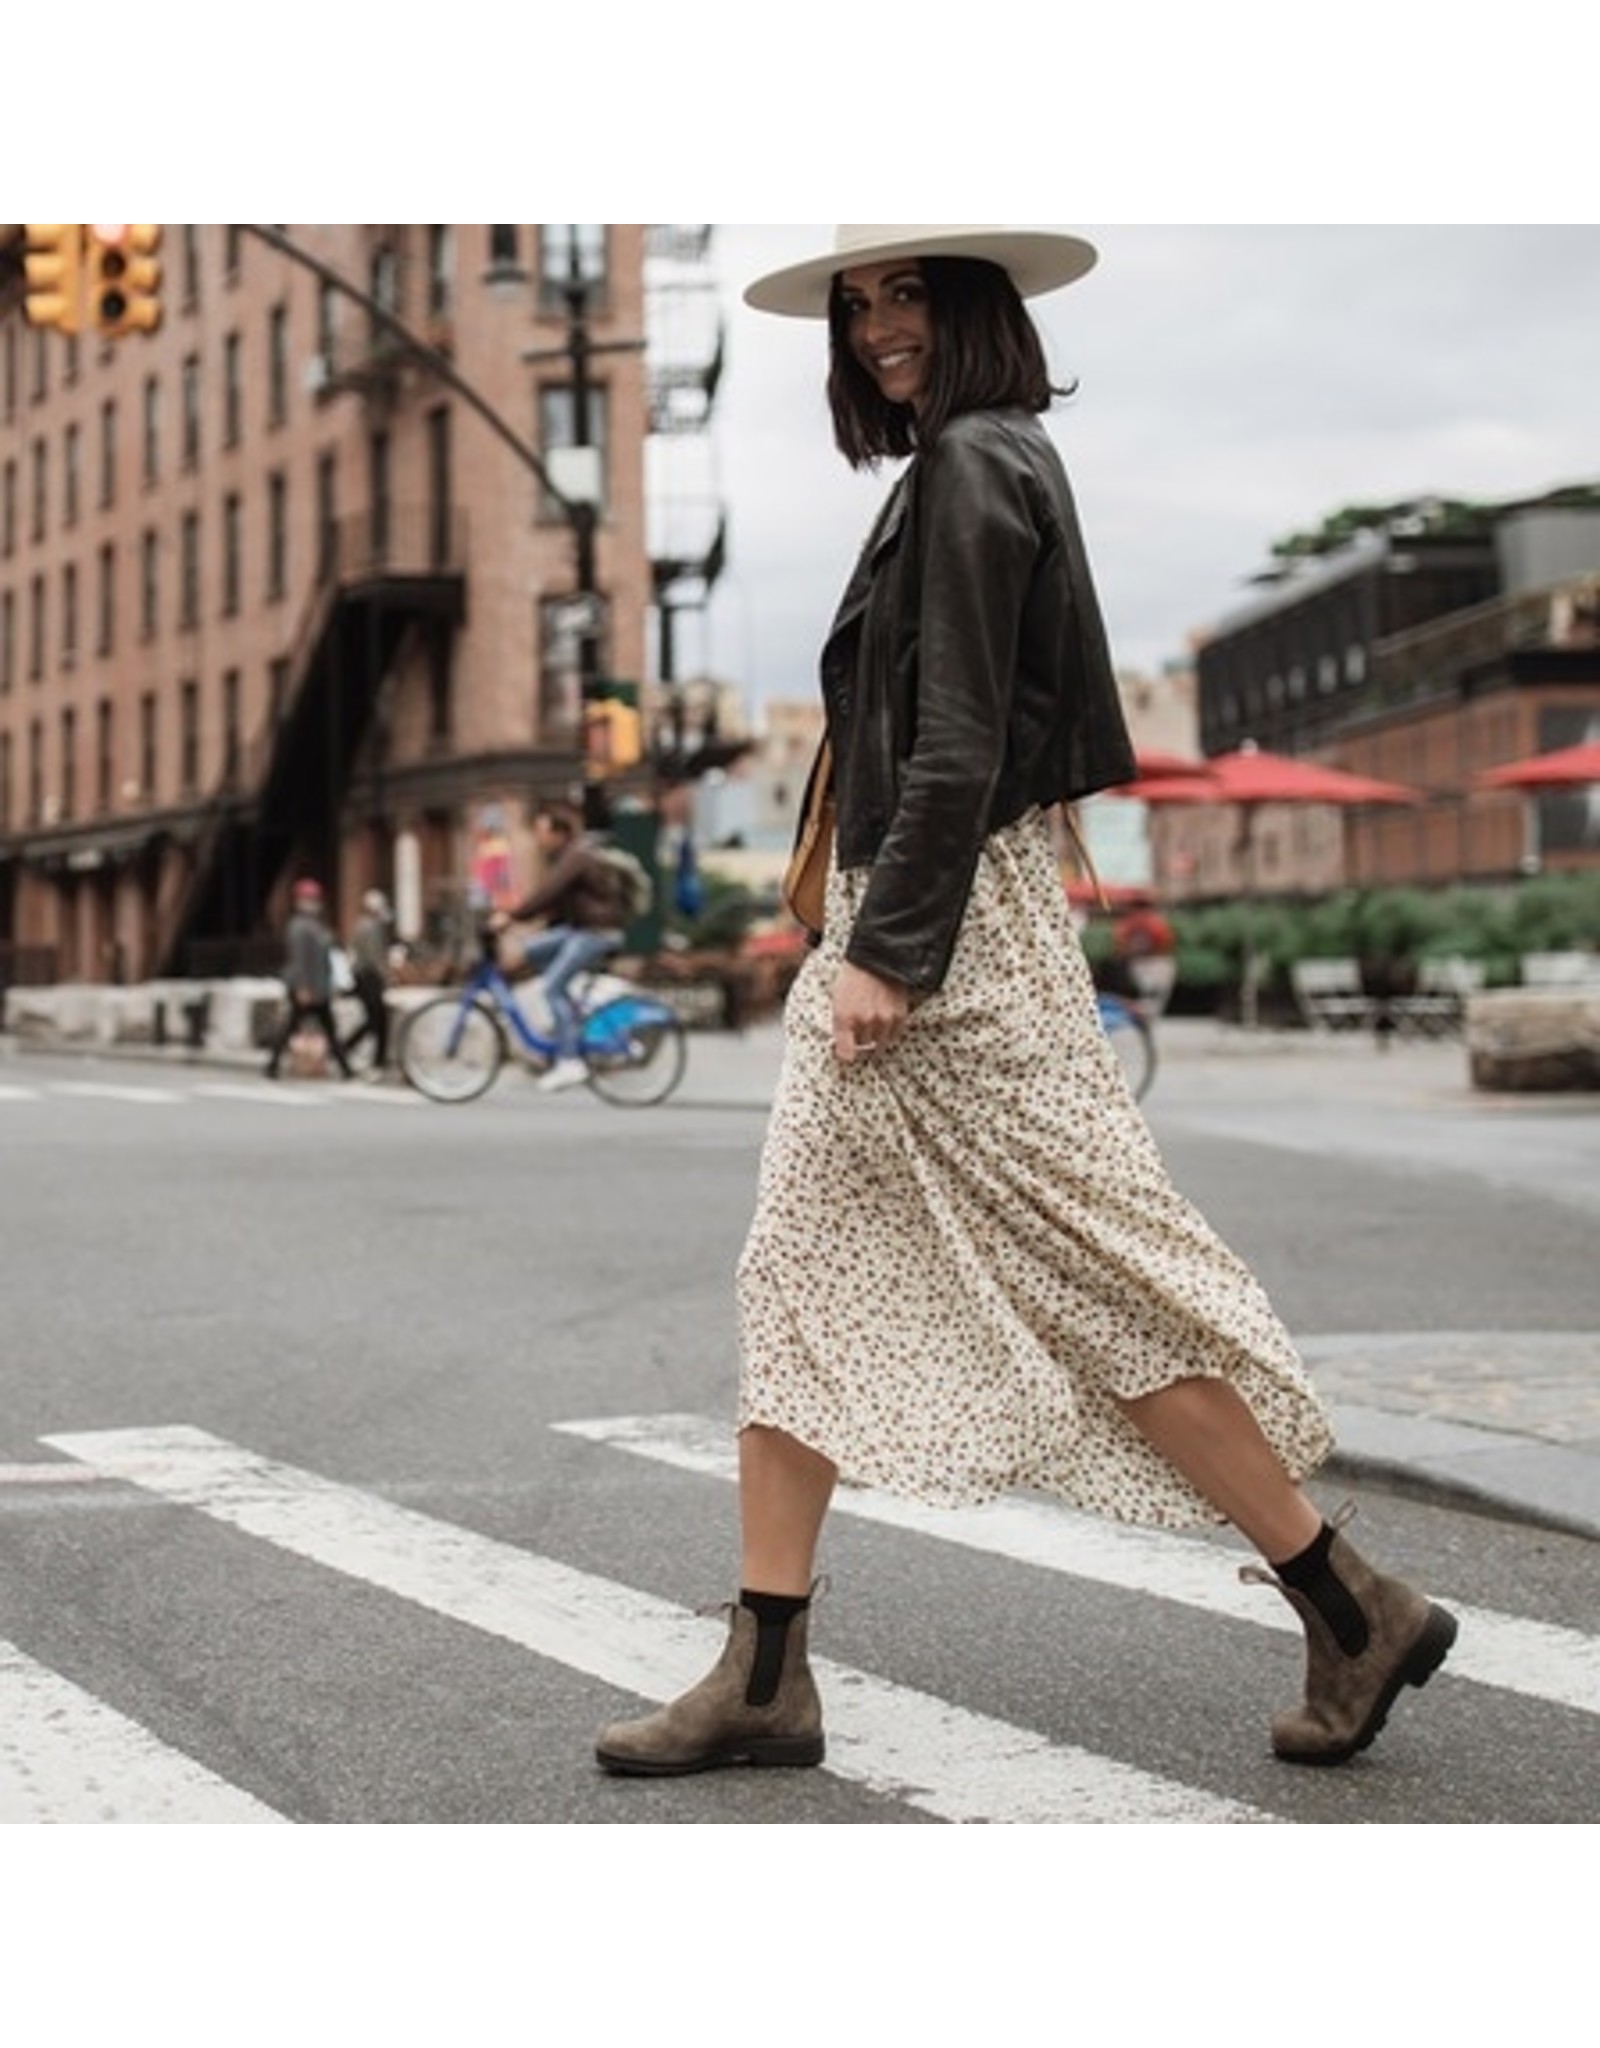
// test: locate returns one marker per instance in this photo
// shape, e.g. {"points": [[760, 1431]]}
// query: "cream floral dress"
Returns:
{"points": [[966, 1248]]}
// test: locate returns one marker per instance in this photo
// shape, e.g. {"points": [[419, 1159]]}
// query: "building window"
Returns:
{"points": [[232, 521], [1355, 663], [189, 739], [277, 366], [108, 452], [231, 730], [441, 711], [8, 373], [383, 288], [558, 426], [8, 641], [152, 429], [40, 491], [190, 248], [503, 250], [327, 515], [35, 772], [189, 571], [232, 254], [105, 639], [69, 615], [69, 763], [378, 495], [568, 254], [105, 756], [71, 473], [441, 270], [147, 746], [191, 411], [36, 629], [5, 782], [232, 392], [327, 324], [149, 593], [560, 704], [8, 510], [41, 369], [277, 535]]}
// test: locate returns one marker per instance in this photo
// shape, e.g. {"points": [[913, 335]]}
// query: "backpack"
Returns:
{"points": [[635, 890]]}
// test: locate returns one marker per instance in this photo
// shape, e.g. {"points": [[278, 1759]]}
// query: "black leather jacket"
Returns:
{"points": [[966, 680]]}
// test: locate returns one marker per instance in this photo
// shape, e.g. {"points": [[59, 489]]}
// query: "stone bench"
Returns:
{"points": [[1524, 1040]]}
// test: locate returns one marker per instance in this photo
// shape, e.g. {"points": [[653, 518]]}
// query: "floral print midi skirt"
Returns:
{"points": [[967, 1250]]}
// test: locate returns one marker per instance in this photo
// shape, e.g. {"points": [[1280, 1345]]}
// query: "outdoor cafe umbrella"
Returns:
{"points": [[1565, 768], [1249, 779], [1537, 775]]}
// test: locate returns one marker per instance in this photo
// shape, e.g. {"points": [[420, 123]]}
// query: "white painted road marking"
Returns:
{"points": [[110, 1091], [899, 1744], [66, 1758], [1536, 1659]]}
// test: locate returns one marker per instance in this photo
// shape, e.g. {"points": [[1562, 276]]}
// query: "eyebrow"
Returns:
{"points": [[894, 277]]}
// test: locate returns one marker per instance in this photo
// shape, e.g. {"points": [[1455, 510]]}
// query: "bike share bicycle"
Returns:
{"points": [[1132, 1039], [453, 1046]]}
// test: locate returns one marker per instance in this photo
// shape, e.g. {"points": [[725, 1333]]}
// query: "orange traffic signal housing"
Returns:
{"points": [[124, 279], [53, 270]]}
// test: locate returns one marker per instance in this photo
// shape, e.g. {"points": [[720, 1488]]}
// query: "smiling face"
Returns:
{"points": [[889, 328]]}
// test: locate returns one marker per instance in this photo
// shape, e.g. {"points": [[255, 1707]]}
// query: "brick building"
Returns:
{"points": [[1424, 650], [274, 598]]}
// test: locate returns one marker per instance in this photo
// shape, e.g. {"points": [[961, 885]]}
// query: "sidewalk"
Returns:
{"points": [[1502, 1423]]}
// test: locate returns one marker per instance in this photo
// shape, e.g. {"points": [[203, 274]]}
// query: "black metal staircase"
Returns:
{"points": [[284, 802]]}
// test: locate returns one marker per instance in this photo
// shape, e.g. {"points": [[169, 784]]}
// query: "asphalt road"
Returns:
{"points": [[358, 1457]]}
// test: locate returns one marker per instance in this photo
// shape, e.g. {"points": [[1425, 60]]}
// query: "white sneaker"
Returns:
{"points": [[564, 1074]]}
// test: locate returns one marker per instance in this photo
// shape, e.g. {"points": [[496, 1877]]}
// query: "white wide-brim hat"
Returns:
{"points": [[1035, 259]]}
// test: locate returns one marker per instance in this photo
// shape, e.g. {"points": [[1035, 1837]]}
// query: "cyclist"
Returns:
{"points": [[581, 908]]}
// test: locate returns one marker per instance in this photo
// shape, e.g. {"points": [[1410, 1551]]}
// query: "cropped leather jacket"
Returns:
{"points": [[966, 680]]}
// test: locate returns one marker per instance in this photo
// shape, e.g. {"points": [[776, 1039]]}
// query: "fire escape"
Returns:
{"points": [[389, 580], [688, 530]]}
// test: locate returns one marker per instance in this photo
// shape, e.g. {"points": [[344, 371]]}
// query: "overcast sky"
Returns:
{"points": [[1236, 384]]}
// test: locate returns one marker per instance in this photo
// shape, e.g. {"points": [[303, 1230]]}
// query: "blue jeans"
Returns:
{"points": [[557, 956]]}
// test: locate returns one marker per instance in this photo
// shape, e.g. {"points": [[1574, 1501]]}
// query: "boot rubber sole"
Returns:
{"points": [[1417, 1666], [788, 1754]]}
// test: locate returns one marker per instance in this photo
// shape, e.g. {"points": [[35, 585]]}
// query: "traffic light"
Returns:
{"points": [[613, 733], [53, 269], [124, 279]]}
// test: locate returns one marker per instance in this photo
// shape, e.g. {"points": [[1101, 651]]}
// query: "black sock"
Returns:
{"points": [[1310, 1573], [773, 1613]]}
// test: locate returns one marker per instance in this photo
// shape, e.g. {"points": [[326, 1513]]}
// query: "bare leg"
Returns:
{"points": [[784, 1491], [1204, 1429]]}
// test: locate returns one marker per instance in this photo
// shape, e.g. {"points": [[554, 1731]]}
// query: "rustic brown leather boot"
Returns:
{"points": [[1377, 1635], [746, 1710]]}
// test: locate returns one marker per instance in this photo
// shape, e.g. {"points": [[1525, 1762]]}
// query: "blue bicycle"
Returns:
{"points": [[453, 1046], [1132, 1039]]}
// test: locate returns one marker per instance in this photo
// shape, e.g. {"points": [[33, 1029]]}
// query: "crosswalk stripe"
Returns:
{"points": [[1537, 1659], [67, 1758], [113, 1091], [933, 1755]]}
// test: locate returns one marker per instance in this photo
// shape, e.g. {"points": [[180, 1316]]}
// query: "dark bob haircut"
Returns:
{"points": [[987, 354]]}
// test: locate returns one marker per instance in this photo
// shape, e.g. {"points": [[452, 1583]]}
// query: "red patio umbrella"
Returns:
{"points": [[1565, 768], [1251, 778], [1153, 763]]}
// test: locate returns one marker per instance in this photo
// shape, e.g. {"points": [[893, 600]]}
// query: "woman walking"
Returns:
{"points": [[968, 1271]]}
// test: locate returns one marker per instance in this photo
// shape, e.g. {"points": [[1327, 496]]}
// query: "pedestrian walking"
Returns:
{"points": [[308, 978], [370, 945], [968, 1269]]}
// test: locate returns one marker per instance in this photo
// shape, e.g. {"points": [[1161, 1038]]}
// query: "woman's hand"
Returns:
{"points": [[869, 1013]]}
